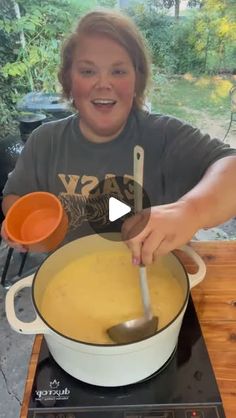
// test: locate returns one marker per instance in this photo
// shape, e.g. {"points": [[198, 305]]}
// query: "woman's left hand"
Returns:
{"points": [[168, 227]]}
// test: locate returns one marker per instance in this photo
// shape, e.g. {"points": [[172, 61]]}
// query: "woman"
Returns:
{"points": [[188, 177]]}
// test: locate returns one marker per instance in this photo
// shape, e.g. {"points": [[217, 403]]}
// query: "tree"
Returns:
{"points": [[176, 4], [170, 3], [216, 34]]}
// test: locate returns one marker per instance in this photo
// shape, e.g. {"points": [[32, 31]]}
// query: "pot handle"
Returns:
{"points": [[196, 278], [35, 327]]}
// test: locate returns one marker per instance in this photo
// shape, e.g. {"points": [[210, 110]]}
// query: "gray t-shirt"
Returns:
{"points": [[57, 158]]}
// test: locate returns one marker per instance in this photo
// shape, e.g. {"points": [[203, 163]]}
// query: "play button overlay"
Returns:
{"points": [[117, 209], [111, 203]]}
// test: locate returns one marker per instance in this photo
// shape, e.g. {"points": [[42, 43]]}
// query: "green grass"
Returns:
{"points": [[191, 98]]}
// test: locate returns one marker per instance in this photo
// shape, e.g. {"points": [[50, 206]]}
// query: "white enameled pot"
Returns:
{"points": [[103, 365]]}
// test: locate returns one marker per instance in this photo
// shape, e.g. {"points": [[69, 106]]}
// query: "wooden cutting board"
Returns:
{"points": [[215, 303]]}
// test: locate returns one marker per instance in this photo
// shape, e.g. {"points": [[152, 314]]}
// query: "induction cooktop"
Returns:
{"points": [[185, 387]]}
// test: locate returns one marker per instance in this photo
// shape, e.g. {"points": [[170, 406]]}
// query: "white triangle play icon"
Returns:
{"points": [[117, 209]]}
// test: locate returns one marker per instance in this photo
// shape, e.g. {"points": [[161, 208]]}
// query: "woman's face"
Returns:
{"points": [[102, 87]]}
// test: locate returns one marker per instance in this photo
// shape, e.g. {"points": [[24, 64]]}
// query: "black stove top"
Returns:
{"points": [[184, 388]]}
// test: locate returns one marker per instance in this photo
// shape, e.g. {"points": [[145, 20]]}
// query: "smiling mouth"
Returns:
{"points": [[103, 103]]}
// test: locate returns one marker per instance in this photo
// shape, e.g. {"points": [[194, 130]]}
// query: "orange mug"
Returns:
{"points": [[37, 221]]}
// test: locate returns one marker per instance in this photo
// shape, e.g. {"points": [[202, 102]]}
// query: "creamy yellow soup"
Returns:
{"points": [[100, 290]]}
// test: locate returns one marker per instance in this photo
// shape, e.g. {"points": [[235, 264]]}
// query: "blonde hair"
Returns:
{"points": [[122, 30]]}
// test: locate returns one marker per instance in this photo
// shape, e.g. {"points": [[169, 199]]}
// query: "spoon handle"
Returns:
{"points": [[145, 292], [138, 178], [138, 206]]}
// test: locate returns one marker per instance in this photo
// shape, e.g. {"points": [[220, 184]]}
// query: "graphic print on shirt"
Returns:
{"points": [[86, 199]]}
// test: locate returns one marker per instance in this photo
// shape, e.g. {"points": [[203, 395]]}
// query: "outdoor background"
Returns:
{"points": [[193, 44]]}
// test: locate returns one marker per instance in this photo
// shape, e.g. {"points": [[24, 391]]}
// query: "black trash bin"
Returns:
{"points": [[52, 104], [28, 122], [38, 107], [10, 149]]}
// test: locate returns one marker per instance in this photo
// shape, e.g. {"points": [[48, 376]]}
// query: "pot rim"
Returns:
{"points": [[117, 344]]}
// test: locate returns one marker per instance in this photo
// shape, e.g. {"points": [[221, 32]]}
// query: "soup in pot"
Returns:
{"points": [[102, 289]]}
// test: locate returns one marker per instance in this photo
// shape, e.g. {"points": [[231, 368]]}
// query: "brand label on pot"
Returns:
{"points": [[53, 392]]}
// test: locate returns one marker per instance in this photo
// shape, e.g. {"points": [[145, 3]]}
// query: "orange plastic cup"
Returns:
{"points": [[37, 221]]}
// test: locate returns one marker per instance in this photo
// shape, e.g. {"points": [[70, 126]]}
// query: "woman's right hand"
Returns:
{"points": [[18, 247]]}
